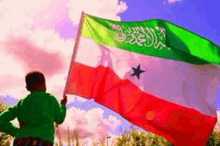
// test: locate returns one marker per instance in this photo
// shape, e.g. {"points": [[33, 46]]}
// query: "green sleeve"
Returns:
{"points": [[5, 118], [59, 110]]}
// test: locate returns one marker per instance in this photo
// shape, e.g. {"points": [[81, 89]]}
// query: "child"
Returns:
{"points": [[36, 114]]}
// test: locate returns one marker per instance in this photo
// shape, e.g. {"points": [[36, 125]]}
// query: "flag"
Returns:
{"points": [[155, 74]]}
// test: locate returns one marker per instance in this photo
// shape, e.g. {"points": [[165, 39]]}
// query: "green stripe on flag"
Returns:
{"points": [[155, 37]]}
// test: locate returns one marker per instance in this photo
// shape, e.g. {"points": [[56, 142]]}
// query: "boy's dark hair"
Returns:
{"points": [[34, 79]]}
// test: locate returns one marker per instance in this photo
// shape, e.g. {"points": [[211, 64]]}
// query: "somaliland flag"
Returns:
{"points": [[155, 74]]}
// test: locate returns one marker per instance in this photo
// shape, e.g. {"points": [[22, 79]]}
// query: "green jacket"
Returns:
{"points": [[36, 114]]}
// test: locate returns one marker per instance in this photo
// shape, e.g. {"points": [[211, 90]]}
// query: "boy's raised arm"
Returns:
{"points": [[60, 111]]}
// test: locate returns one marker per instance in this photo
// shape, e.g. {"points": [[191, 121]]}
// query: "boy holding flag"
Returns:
{"points": [[36, 114]]}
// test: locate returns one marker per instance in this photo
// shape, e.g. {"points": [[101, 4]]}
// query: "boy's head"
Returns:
{"points": [[35, 81]]}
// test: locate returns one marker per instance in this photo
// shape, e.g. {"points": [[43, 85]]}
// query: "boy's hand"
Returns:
{"points": [[64, 99]]}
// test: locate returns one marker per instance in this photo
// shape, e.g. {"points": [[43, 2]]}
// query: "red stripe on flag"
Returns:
{"points": [[179, 124]]}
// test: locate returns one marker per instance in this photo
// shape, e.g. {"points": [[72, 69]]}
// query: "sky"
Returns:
{"points": [[40, 35]]}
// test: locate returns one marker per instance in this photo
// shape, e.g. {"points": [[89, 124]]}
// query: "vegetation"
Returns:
{"points": [[133, 137], [141, 138], [4, 138], [129, 137]]}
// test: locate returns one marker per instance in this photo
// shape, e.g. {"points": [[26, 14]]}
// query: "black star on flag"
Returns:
{"points": [[137, 72]]}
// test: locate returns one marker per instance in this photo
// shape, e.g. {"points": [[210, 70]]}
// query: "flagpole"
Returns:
{"points": [[75, 50]]}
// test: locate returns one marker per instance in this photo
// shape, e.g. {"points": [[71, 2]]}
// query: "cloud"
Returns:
{"points": [[90, 124], [33, 57], [99, 8], [80, 99], [8, 23], [173, 1], [42, 13], [29, 41], [38, 49], [24, 49], [217, 126], [8, 79]]}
